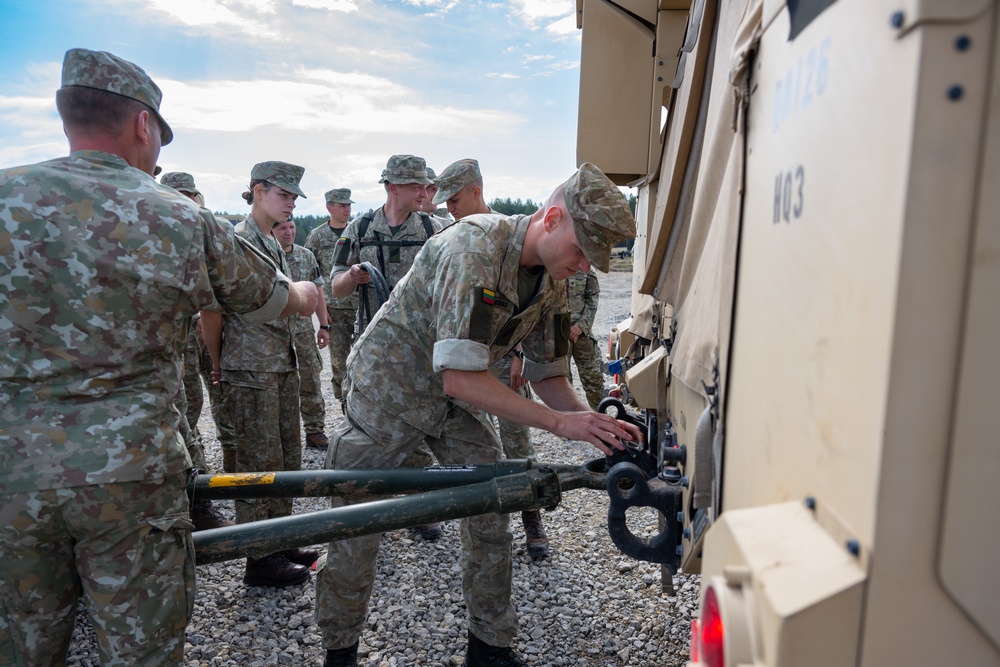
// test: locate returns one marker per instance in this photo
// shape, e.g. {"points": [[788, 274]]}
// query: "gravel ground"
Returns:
{"points": [[585, 604]]}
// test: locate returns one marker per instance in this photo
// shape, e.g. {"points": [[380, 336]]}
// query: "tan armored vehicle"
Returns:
{"points": [[816, 313]]}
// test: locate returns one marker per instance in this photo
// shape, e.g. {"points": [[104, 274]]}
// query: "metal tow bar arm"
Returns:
{"points": [[442, 493]]}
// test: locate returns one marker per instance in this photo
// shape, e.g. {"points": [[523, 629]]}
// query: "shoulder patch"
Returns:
{"points": [[490, 297]]}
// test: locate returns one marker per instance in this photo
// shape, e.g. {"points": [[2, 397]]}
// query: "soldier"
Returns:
{"points": [[103, 268], [303, 266], [461, 187], [260, 382], [388, 239], [583, 292], [420, 372], [430, 205], [341, 311], [190, 400]]}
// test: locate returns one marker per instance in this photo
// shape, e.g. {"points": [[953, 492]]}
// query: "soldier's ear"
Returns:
{"points": [[551, 218], [141, 123]]}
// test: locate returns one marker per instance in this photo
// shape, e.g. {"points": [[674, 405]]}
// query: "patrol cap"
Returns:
{"points": [[431, 175], [338, 196], [105, 71], [403, 169], [455, 177], [600, 212], [180, 181], [286, 176]]}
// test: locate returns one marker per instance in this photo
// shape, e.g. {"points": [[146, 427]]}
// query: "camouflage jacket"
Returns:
{"points": [[302, 265], [101, 269], [322, 242], [393, 259], [263, 347], [457, 308], [583, 292]]}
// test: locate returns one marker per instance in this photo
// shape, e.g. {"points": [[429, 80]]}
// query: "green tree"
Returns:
{"points": [[509, 206]]}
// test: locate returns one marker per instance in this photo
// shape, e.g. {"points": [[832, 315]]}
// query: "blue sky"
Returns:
{"points": [[336, 86]]}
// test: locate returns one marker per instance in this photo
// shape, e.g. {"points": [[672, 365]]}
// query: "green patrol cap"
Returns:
{"points": [[600, 212], [338, 196], [403, 169], [180, 181], [105, 71], [286, 176], [455, 177]]}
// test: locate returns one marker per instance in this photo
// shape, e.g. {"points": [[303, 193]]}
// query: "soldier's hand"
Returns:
{"points": [[598, 429], [358, 275], [303, 297], [574, 332], [322, 338]]}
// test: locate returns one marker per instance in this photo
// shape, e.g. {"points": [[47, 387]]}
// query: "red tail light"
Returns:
{"points": [[711, 650]]}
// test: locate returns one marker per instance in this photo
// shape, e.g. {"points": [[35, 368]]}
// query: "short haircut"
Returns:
{"points": [[92, 110]]}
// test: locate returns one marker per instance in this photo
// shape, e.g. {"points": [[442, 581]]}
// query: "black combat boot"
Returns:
{"points": [[342, 657], [275, 571], [206, 517], [430, 532], [317, 440], [301, 555], [536, 542], [481, 654]]}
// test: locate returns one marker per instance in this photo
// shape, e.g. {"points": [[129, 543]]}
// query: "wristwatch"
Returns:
{"points": [[324, 327]]}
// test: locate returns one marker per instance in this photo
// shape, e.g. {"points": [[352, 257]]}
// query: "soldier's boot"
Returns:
{"points": [[481, 654], [229, 460], [317, 440], [342, 657], [536, 542], [275, 571], [430, 532], [301, 555], [205, 517]]}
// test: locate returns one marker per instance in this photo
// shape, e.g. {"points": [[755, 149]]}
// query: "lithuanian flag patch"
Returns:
{"points": [[341, 241], [489, 296]]}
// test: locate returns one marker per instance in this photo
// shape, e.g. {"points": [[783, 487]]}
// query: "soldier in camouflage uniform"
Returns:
{"points": [[260, 381], [303, 266], [430, 204], [204, 516], [388, 239], [420, 372], [461, 187], [341, 311], [102, 269], [583, 292]]}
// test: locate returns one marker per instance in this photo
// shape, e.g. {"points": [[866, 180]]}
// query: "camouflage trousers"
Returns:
{"points": [[514, 438], [263, 409], [344, 585], [310, 391], [126, 548], [341, 337], [223, 427], [192, 380], [590, 367], [191, 437]]}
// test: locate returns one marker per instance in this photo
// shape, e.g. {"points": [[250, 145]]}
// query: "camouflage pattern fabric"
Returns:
{"points": [[263, 409], [190, 436], [260, 387], [93, 326], [192, 379], [223, 429], [514, 438], [283, 174], [135, 541], [439, 316], [403, 169], [303, 266], [468, 275], [397, 259], [344, 585], [600, 212], [101, 269], [322, 241], [265, 347], [583, 292]]}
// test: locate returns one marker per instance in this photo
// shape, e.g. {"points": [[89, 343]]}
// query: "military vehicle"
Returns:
{"points": [[815, 314]]}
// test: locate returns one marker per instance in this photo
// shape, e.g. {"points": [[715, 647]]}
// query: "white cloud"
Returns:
{"points": [[501, 75], [341, 105], [537, 10], [209, 13], [564, 26], [329, 5]]}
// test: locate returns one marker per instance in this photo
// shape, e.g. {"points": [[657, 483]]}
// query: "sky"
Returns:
{"points": [[336, 86]]}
